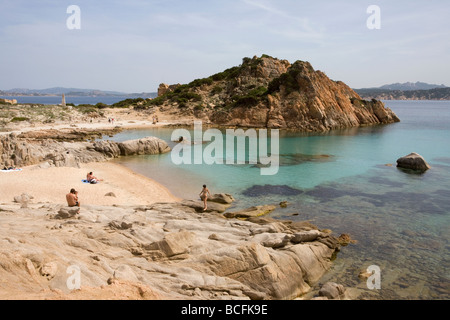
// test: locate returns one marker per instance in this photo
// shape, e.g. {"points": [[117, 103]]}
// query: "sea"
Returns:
{"points": [[346, 181], [55, 100]]}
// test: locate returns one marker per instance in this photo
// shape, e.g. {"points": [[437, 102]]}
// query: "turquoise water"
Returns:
{"points": [[347, 181]]}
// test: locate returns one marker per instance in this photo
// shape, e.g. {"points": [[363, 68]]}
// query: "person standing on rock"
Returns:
{"points": [[72, 198], [204, 196]]}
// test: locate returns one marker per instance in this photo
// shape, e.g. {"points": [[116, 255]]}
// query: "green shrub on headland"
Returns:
{"points": [[127, 102], [19, 119]]}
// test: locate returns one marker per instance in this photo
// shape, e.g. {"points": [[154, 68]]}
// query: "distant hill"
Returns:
{"points": [[411, 86], [71, 92], [382, 94], [406, 91]]}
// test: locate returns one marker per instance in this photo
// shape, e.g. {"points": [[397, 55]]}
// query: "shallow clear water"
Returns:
{"points": [[347, 181]]}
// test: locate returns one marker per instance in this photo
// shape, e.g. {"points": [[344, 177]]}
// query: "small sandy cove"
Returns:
{"points": [[52, 184]]}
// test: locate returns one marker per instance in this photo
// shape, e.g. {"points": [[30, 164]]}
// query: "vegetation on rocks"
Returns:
{"points": [[269, 92]]}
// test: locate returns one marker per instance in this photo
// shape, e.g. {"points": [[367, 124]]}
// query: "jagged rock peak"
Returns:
{"points": [[273, 93]]}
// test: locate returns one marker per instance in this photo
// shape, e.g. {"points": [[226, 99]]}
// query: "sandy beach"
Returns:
{"points": [[52, 184]]}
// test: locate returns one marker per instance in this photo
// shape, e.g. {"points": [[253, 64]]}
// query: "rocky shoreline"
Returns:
{"points": [[163, 251], [38, 148], [160, 251]]}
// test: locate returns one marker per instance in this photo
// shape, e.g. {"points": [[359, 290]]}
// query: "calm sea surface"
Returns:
{"points": [[347, 181], [75, 100]]}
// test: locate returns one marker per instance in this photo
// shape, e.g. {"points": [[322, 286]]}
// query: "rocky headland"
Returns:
{"points": [[271, 93], [68, 149], [161, 251]]}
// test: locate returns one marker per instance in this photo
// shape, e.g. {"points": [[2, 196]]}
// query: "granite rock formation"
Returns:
{"points": [[167, 250], [414, 162], [19, 152], [272, 93]]}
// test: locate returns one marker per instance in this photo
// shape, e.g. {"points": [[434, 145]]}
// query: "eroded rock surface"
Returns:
{"points": [[19, 152], [265, 92], [165, 251]]}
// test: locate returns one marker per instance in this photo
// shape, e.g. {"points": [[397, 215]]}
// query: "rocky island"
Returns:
{"points": [[272, 93]]}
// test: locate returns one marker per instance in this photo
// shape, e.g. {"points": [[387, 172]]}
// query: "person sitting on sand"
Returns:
{"points": [[204, 196], [72, 198], [91, 178]]}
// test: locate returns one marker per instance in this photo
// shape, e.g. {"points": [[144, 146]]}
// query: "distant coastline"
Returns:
{"points": [[383, 94], [76, 100]]}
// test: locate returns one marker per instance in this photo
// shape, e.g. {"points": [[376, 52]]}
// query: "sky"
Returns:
{"points": [[134, 45]]}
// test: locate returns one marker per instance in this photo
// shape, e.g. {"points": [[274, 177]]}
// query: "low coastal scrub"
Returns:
{"points": [[252, 98], [86, 108], [20, 119], [33, 113], [222, 83], [181, 95], [127, 103]]}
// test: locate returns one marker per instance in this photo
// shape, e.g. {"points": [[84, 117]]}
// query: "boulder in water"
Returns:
{"points": [[414, 162]]}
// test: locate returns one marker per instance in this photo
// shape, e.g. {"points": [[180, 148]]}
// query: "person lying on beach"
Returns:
{"points": [[204, 196], [92, 179], [72, 198]]}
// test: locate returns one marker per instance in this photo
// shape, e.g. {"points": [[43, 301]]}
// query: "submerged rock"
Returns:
{"points": [[268, 189], [295, 159], [414, 162]]}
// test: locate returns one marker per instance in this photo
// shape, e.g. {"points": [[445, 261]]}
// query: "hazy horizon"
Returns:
{"points": [[11, 90], [133, 46]]}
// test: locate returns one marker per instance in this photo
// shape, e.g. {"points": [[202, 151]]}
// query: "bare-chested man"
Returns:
{"points": [[92, 179], [72, 198]]}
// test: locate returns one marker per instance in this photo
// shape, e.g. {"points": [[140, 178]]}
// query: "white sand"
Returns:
{"points": [[51, 185]]}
